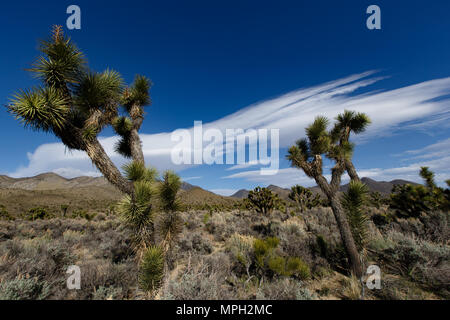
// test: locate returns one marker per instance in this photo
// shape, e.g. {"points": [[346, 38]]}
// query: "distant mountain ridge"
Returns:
{"points": [[383, 187], [53, 181]]}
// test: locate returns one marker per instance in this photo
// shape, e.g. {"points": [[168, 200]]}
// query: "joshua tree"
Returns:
{"points": [[307, 155], [348, 122], [75, 104], [303, 197], [428, 176], [262, 200]]}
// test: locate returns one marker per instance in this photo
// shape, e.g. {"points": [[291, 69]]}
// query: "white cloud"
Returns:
{"points": [[289, 176], [190, 178], [224, 192], [291, 113], [285, 178]]}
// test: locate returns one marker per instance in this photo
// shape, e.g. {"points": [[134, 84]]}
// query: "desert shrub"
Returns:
{"points": [[268, 259], [151, 271], [304, 198], [423, 262], [99, 274], [198, 282], [263, 249], [283, 289], [4, 215], [413, 201], [376, 199], [37, 213], [241, 247], [83, 214], [291, 266], [292, 226], [221, 226], [100, 217], [262, 200], [195, 242], [24, 289], [72, 236], [382, 218], [107, 293], [351, 288]]}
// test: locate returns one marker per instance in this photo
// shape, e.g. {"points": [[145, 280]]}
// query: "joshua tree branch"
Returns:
{"points": [[104, 164], [350, 168], [136, 114]]}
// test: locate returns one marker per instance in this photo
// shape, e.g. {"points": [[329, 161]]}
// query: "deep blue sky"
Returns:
{"points": [[208, 59]]}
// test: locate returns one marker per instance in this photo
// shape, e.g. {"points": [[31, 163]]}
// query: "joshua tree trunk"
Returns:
{"points": [[346, 235], [351, 170], [103, 163], [341, 220], [135, 142]]}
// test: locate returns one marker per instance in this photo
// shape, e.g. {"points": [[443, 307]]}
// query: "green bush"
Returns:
{"points": [[37, 213], [291, 266], [4, 214], [268, 259], [415, 200], [24, 289], [83, 214]]}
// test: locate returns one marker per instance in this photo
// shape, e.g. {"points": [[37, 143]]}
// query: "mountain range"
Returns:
{"points": [[99, 188], [383, 187]]}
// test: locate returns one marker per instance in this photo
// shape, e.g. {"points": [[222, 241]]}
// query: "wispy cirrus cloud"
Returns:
{"points": [[436, 156], [390, 111]]}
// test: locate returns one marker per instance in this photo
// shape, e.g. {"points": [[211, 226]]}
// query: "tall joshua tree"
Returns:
{"points": [[75, 104], [307, 155], [346, 123]]}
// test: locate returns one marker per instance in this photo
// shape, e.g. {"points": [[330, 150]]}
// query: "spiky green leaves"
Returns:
{"points": [[319, 139], [40, 109], [136, 171], [99, 90], [349, 121], [123, 126], [353, 202], [138, 94], [61, 63], [262, 200], [428, 176], [151, 271], [168, 191], [304, 197], [137, 211]]}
